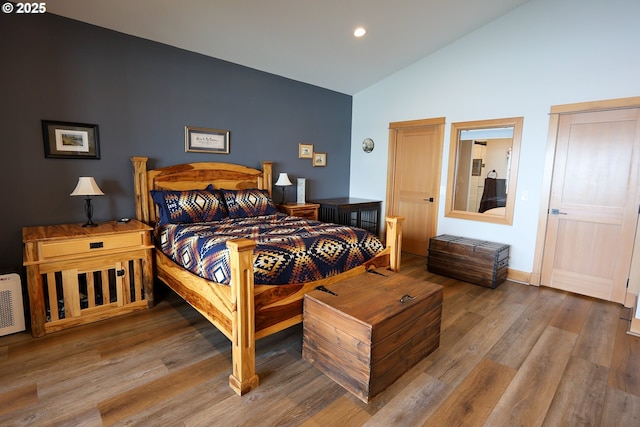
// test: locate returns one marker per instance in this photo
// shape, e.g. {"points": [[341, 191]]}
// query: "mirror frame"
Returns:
{"points": [[456, 129]]}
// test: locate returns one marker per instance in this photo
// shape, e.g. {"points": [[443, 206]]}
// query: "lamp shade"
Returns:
{"points": [[283, 180], [87, 187]]}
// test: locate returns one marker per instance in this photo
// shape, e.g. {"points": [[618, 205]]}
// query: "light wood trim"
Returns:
{"points": [[507, 219], [536, 274], [634, 325], [518, 276], [418, 123], [634, 273], [607, 104]]}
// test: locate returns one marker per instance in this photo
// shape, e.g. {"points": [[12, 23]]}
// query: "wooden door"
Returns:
{"points": [[593, 204], [413, 189]]}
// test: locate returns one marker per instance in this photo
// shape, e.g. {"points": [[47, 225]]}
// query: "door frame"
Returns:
{"points": [[554, 120], [394, 127]]}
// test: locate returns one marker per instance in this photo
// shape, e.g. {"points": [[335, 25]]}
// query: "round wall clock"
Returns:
{"points": [[367, 145]]}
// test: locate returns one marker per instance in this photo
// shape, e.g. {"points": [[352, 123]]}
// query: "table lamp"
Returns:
{"points": [[87, 187], [283, 181]]}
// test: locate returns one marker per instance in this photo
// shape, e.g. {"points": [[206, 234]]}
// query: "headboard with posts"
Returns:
{"points": [[191, 176]]}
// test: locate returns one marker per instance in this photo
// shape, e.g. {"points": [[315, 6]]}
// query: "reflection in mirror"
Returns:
{"points": [[483, 165]]}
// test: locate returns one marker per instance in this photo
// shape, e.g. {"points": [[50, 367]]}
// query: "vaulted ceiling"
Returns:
{"points": [[306, 40]]}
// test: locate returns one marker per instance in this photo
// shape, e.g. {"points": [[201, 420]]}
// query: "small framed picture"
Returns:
{"points": [[476, 167], [67, 140], [205, 140], [305, 151], [319, 159]]}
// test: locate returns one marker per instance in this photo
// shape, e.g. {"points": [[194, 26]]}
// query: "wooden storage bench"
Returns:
{"points": [[374, 330], [470, 260]]}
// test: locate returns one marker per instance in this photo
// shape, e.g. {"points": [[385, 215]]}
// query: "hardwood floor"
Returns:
{"points": [[515, 355]]}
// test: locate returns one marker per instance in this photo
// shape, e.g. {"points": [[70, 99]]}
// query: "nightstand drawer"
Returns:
{"points": [[309, 213], [301, 210], [60, 248]]}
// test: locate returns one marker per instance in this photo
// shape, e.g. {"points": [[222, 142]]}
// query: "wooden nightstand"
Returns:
{"points": [[78, 275], [302, 210]]}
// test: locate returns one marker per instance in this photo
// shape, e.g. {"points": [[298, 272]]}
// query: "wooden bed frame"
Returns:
{"points": [[242, 311]]}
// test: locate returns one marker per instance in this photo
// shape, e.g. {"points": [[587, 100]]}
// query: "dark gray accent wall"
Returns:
{"points": [[142, 94]]}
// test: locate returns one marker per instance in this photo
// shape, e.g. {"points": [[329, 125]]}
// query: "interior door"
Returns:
{"points": [[594, 200], [415, 161]]}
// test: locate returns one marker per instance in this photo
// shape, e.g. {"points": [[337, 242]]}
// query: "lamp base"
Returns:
{"points": [[88, 209]]}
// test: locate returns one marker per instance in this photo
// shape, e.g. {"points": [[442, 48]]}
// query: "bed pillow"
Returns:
{"points": [[248, 203], [189, 206]]}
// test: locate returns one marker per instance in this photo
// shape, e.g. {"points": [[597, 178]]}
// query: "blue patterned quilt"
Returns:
{"points": [[289, 249]]}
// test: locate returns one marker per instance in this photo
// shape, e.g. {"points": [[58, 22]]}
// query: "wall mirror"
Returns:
{"points": [[483, 168]]}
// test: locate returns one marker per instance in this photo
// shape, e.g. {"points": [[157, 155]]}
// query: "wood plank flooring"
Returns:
{"points": [[512, 356]]}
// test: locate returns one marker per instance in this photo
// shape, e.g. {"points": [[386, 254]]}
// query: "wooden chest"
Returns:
{"points": [[475, 261], [375, 329]]}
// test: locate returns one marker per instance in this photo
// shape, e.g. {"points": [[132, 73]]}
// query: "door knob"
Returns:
{"points": [[430, 199]]}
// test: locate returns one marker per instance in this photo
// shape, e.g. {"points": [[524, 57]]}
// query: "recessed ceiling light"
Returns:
{"points": [[359, 32]]}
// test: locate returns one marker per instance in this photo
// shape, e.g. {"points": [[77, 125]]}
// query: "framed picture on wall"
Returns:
{"points": [[476, 167], [205, 140], [305, 151], [67, 140], [319, 159]]}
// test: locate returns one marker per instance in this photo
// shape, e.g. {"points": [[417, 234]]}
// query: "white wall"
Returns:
{"points": [[547, 52]]}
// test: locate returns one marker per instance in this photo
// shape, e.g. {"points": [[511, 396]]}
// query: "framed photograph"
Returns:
{"points": [[305, 151], [205, 140], [319, 159], [476, 167], [66, 140]]}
